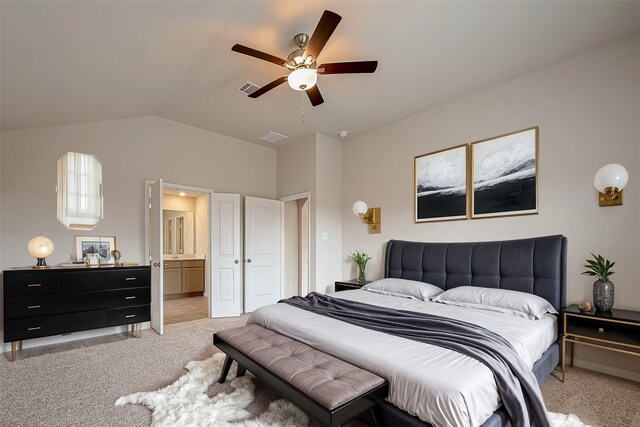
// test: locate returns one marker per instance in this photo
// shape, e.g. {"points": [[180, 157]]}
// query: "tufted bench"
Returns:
{"points": [[328, 389]]}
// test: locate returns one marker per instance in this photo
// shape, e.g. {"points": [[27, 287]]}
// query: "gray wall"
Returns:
{"points": [[130, 150], [588, 110]]}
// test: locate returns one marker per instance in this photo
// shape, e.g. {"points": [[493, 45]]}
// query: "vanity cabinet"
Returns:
{"points": [[53, 301], [183, 277]]}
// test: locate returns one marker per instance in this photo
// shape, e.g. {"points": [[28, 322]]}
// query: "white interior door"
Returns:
{"points": [[226, 271], [263, 252], [156, 228]]}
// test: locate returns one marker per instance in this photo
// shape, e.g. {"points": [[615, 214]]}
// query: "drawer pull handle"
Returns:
{"points": [[35, 328], [130, 278], [600, 329], [33, 306], [34, 285], [129, 297], [130, 316]]}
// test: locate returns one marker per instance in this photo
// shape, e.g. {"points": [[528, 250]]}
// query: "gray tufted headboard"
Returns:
{"points": [[536, 266]]}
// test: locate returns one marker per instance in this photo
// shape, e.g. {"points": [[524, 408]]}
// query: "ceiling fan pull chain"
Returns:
{"points": [[302, 115]]}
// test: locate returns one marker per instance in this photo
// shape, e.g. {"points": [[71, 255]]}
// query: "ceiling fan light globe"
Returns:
{"points": [[302, 78]]}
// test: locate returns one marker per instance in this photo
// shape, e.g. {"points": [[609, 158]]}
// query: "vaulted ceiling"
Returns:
{"points": [[69, 62]]}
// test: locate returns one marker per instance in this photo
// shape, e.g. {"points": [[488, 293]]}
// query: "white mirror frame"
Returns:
{"points": [[79, 191]]}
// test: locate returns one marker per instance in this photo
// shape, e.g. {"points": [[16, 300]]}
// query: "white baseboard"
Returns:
{"points": [[57, 339], [607, 369]]}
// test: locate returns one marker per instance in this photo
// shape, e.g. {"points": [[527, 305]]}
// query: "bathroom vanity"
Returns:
{"points": [[183, 277]]}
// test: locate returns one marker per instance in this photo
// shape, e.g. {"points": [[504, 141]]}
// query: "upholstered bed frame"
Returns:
{"points": [[537, 266]]}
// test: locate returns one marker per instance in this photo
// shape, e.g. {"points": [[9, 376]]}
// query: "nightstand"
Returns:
{"points": [[615, 330], [348, 285]]}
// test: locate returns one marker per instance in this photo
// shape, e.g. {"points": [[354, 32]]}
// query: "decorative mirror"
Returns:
{"points": [[79, 191]]}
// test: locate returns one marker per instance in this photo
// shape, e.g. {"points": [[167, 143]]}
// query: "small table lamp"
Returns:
{"points": [[40, 247]]}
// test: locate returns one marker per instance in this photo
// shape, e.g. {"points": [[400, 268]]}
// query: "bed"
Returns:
{"points": [[431, 385]]}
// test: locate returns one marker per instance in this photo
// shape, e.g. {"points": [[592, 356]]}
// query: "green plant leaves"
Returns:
{"points": [[599, 267]]}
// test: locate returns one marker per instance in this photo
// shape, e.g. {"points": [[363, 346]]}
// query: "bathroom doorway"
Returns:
{"points": [[296, 250], [178, 242], [185, 254]]}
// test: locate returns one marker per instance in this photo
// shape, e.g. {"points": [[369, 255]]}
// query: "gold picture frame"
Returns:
{"points": [[441, 185], [504, 175]]}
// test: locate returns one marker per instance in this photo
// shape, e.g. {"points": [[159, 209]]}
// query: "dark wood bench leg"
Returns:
{"points": [[225, 369], [241, 371], [378, 417]]}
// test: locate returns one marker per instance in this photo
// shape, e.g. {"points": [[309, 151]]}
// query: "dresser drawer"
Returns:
{"points": [[130, 277], [125, 316], [41, 305], [31, 283], [172, 264], [35, 327], [78, 281]]}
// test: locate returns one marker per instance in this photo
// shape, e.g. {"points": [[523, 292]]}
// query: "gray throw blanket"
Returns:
{"points": [[517, 386]]}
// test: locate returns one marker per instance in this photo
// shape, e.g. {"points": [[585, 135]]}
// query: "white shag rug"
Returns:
{"points": [[186, 403]]}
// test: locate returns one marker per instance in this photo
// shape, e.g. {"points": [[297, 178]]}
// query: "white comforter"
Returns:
{"points": [[439, 386]]}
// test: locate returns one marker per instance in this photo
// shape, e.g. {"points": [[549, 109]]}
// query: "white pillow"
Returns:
{"points": [[511, 302], [403, 288]]}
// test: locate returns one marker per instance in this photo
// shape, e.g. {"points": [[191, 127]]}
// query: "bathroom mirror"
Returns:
{"points": [[79, 191], [179, 232]]}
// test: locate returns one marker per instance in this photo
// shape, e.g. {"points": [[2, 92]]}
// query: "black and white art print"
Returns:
{"points": [[504, 173], [441, 185]]}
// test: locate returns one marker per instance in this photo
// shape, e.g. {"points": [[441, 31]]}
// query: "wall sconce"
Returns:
{"points": [[609, 181], [40, 247], [369, 216]]}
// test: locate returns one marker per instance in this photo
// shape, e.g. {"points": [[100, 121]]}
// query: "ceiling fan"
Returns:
{"points": [[303, 71]]}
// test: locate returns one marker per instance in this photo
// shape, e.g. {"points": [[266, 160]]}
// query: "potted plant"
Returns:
{"points": [[360, 258], [602, 288]]}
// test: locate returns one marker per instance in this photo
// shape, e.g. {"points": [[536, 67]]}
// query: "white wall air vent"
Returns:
{"points": [[272, 137], [248, 88]]}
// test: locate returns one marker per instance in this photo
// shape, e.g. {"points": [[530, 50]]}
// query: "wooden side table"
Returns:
{"points": [[615, 330], [349, 285]]}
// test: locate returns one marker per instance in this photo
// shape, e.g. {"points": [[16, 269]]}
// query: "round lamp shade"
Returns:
{"points": [[302, 78], [611, 175], [40, 247], [360, 208]]}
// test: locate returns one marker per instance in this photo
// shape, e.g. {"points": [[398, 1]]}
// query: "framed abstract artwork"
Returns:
{"points": [[504, 175], [440, 184]]}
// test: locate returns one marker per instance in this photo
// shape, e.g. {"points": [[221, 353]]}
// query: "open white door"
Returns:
{"points": [[226, 271], [263, 252], [155, 254]]}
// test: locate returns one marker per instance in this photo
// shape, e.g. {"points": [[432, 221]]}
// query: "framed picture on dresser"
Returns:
{"points": [[504, 175], [440, 185], [95, 247]]}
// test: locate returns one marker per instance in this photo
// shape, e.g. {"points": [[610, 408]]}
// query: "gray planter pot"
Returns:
{"points": [[603, 295]]}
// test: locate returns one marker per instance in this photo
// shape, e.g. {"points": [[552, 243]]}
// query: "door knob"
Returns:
{"points": [[248, 260], [156, 264], [236, 261]]}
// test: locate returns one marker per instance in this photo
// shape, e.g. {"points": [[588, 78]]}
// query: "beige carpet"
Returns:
{"points": [[79, 387]]}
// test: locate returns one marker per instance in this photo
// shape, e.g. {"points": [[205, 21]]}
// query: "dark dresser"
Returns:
{"points": [[54, 301]]}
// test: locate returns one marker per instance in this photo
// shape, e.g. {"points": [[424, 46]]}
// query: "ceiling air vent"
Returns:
{"points": [[248, 88], [272, 137]]}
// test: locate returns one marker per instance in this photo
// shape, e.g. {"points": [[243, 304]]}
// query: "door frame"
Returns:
{"points": [[205, 191], [291, 198]]}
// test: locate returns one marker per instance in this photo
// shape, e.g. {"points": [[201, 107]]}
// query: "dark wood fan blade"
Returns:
{"points": [[267, 88], [314, 96], [348, 67], [257, 54], [327, 25]]}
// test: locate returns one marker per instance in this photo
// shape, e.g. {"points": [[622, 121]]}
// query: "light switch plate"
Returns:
{"points": [[324, 236]]}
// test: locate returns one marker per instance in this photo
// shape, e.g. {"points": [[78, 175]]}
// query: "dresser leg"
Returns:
{"points": [[20, 345], [13, 351]]}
